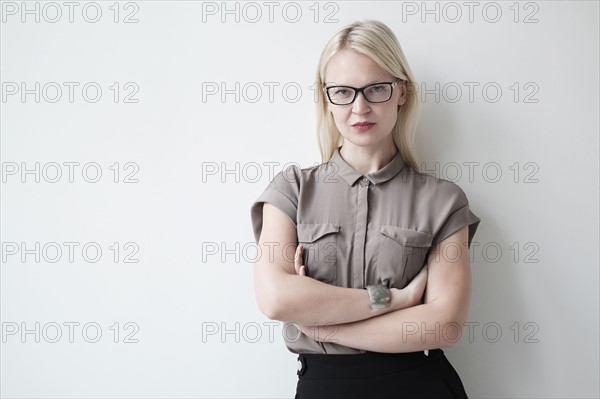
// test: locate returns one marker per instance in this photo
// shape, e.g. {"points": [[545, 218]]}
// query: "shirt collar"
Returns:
{"points": [[384, 174]]}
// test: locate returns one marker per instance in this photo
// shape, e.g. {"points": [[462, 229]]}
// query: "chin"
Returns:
{"points": [[364, 138]]}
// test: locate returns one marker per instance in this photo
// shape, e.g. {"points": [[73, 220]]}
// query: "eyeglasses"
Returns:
{"points": [[374, 93]]}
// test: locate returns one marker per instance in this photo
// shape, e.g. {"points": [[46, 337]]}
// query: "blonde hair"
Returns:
{"points": [[377, 41]]}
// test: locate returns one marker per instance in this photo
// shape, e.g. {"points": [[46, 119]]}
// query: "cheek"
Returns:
{"points": [[390, 114], [338, 114], [332, 110]]}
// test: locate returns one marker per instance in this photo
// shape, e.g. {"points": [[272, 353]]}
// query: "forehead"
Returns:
{"points": [[348, 67]]}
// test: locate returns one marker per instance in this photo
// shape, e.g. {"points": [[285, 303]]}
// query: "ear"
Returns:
{"points": [[402, 88]]}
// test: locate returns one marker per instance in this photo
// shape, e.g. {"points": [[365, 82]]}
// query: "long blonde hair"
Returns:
{"points": [[377, 41]]}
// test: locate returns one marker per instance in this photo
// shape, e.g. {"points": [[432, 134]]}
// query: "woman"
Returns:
{"points": [[380, 277]]}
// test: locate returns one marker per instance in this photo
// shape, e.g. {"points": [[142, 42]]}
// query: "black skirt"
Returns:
{"points": [[378, 375]]}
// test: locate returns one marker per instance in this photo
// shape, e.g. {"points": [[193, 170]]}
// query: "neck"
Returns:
{"points": [[367, 160]]}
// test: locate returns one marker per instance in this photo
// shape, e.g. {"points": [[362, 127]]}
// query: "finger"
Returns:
{"points": [[303, 268], [298, 259], [421, 276]]}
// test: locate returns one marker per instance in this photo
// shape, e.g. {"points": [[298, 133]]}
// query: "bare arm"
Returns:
{"points": [[435, 324], [283, 295]]}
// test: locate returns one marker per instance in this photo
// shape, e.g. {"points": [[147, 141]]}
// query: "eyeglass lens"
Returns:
{"points": [[375, 93]]}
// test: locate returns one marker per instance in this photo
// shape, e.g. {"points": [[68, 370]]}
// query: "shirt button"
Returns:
{"points": [[364, 179]]}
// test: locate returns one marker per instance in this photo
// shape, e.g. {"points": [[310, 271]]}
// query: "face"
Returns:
{"points": [[349, 68]]}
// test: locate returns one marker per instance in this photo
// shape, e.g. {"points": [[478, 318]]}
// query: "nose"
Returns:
{"points": [[360, 104]]}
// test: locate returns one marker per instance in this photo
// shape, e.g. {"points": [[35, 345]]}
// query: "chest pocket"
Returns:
{"points": [[320, 242], [400, 256]]}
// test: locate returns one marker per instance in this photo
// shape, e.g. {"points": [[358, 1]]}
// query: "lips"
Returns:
{"points": [[363, 126]]}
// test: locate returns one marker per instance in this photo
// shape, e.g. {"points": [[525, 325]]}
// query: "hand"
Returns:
{"points": [[298, 266], [411, 294]]}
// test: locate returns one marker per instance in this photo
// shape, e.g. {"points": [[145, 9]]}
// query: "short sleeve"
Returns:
{"points": [[457, 215], [281, 192]]}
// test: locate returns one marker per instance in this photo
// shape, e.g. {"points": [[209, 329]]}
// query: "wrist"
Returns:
{"points": [[380, 296], [400, 299]]}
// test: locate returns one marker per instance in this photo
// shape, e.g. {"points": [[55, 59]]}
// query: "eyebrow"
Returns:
{"points": [[368, 84]]}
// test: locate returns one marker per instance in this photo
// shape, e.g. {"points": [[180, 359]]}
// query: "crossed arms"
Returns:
{"points": [[343, 315]]}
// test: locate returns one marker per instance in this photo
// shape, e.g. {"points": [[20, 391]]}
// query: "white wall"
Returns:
{"points": [[189, 298]]}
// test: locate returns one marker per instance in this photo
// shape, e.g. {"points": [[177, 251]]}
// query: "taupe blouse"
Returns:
{"points": [[359, 230]]}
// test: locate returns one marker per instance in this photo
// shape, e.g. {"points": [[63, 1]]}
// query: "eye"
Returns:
{"points": [[341, 92], [377, 88]]}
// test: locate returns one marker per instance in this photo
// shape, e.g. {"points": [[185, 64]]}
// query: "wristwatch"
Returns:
{"points": [[380, 296]]}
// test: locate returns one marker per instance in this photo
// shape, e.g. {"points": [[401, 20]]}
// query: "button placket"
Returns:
{"points": [[362, 214]]}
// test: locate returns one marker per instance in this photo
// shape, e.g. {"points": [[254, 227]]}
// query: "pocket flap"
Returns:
{"points": [[408, 237], [310, 232]]}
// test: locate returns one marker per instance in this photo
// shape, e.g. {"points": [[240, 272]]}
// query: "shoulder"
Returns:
{"points": [[435, 189], [297, 176]]}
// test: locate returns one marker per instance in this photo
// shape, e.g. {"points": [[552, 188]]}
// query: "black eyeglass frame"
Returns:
{"points": [[361, 90]]}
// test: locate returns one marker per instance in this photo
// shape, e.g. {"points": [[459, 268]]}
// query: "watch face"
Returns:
{"points": [[380, 296]]}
